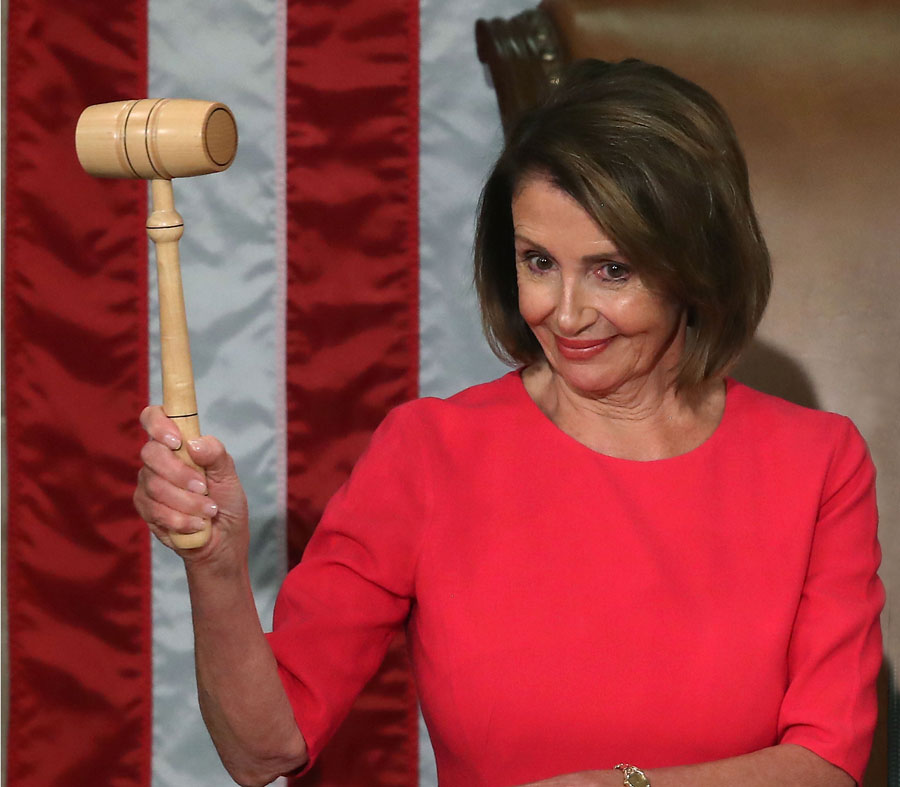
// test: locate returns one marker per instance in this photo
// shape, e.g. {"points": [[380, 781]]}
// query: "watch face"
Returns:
{"points": [[636, 779]]}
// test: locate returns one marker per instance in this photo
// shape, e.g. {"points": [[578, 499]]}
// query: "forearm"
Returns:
{"points": [[786, 764], [241, 696]]}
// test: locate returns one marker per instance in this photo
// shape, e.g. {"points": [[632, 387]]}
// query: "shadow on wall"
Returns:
{"points": [[883, 764], [767, 369]]}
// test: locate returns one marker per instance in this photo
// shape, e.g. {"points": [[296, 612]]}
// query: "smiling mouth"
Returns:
{"points": [[581, 349]]}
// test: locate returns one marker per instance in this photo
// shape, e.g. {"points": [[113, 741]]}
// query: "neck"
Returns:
{"points": [[637, 400], [644, 419]]}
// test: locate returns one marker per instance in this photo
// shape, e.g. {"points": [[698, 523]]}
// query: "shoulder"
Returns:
{"points": [[455, 430], [471, 408], [778, 419], [806, 437]]}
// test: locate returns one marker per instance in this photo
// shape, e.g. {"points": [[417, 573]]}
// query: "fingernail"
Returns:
{"points": [[173, 441], [196, 445], [210, 509], [197, 486]]}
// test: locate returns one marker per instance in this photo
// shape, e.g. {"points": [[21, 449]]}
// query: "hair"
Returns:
{"points": [[654, 160]]}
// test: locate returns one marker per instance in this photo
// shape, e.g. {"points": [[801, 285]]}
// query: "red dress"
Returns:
{"points": [[567, 610]]}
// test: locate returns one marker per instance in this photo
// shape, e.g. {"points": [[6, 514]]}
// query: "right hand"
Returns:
{"points": [[171, 497]]}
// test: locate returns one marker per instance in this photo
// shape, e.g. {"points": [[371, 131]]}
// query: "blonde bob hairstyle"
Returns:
{"points": [[654, 160]]}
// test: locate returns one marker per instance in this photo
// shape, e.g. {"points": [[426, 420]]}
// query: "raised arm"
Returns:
{"points": [[241, 695]]}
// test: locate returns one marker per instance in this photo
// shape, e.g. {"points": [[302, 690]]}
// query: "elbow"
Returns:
{"points": [[248, 779], [261, 774], [262, 770], [253, 780]]}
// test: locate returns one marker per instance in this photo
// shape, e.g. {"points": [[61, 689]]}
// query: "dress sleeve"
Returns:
{"points": [[338, 610], [830, 704]]}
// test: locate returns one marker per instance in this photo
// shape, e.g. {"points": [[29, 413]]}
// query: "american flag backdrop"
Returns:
{"points": [[327, 280]]}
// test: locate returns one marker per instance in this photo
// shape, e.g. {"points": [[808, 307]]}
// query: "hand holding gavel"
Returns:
{"points": [[157, 140]]}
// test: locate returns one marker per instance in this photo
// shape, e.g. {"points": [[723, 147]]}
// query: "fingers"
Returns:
{"points": [[165, 463], [175, 497], [221, 477], [160, 427], [171, 489], [170, 495], [152, 500]]}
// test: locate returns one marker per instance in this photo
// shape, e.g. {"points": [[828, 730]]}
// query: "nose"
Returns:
{"points": [[575, 311]]}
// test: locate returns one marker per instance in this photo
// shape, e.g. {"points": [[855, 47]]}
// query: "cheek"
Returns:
{"points": [[534, 303], [643, 311]]}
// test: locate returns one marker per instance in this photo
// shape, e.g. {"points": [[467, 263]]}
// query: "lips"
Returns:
{"points": [[581, 349]]}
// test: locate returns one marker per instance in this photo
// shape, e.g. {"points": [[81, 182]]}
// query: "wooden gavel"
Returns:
{"points": [[157, 140]]}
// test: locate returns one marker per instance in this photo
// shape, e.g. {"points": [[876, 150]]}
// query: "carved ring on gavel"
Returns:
{"points": [[157, 140]]}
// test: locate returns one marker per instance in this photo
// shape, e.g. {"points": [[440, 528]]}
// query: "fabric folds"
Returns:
{"points": [[79, 639], [352, 308]]}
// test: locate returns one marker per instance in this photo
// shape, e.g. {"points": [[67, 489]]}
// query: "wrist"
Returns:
{"points": [[632, 776], [218, 577]]}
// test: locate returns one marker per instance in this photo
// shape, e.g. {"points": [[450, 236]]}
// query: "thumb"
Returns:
{"points": [[209, 453], [221, 476]]}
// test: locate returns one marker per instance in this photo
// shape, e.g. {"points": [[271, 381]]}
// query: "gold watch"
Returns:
{"points": [[633, 776]]}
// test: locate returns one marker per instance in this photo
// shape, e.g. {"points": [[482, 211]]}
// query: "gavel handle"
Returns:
{"points": [[165, 227]]}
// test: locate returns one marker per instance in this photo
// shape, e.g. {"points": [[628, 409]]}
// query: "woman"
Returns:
{"points": [[615, 565]]}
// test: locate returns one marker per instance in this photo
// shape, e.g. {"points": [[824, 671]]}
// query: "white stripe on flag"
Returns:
{"points": [[459, 136], [234, 232]]}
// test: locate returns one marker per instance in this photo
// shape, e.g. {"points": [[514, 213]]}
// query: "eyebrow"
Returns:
{"points": [[613, 254]]}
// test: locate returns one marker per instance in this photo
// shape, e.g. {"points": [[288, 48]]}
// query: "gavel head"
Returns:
{"points": [[154, 138]]}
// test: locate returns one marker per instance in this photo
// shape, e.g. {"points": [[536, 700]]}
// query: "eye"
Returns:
{"points": [[537, 263], [615, 271]]}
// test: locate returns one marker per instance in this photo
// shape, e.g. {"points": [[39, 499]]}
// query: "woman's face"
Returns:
{"points": [[601, 328]]}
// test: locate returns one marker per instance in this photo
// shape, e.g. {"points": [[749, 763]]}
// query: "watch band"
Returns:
{"points": [[632, 776]]}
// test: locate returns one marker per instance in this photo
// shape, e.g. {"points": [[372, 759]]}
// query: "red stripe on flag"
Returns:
{"points": [[78, 564], [352, 302]]}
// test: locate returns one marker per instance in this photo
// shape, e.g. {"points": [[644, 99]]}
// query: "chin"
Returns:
{"points": [[585, 377]]}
